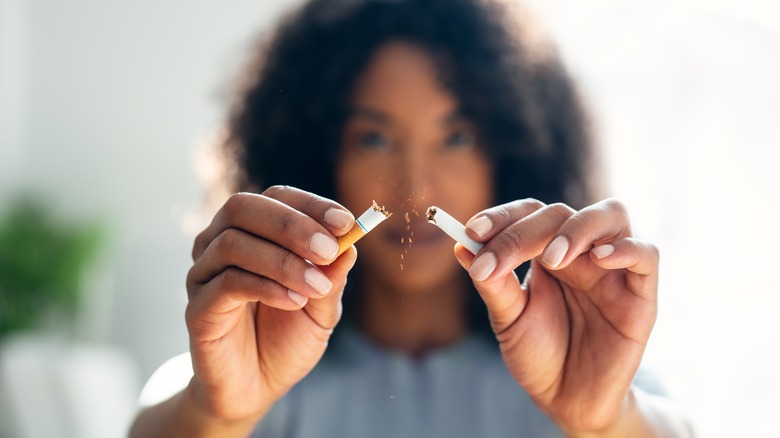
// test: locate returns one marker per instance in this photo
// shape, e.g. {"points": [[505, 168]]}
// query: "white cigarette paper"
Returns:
{"points": [[372, 217], [367, 221], [452, 227]]}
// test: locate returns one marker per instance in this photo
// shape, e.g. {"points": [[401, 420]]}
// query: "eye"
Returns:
{"points": [[461, 139], [373, 140]]}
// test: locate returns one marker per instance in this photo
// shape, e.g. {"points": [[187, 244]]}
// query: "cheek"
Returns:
{"points": [[469, 182]]}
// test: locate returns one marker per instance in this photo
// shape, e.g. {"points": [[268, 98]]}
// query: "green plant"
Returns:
{"points": [[42, 260]]}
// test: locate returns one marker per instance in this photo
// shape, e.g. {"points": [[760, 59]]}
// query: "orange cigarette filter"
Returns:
{"points": [[367, 221]]}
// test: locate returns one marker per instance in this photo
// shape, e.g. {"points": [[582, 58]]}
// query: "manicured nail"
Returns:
{"points": [[339, 218], [483, 266], [481, 226], [603, 251], [324, 246], [317, 280], [554, 254], [297, 298]]}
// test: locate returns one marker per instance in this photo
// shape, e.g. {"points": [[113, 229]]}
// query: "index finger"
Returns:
{"points": [[484, 225], [295, 219], [518, 242]]}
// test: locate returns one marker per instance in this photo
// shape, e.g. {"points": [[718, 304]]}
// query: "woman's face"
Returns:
{"points": [[406, 146]]}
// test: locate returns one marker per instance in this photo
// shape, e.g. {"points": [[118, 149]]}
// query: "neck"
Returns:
{"points": [[414, 321]]}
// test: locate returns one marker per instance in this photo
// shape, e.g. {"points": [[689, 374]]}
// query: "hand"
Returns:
{"points": [[265, 295], [574, 332]]}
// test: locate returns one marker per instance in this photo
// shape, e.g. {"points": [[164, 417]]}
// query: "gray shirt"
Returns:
{"points": [[361, 390]]}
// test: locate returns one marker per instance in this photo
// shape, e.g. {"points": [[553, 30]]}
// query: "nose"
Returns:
{"points": [[415, 178]]}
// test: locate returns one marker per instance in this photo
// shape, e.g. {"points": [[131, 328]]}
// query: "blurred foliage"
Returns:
{"points": [[42, 260]]}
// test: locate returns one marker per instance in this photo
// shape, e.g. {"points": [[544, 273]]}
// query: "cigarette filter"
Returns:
{"points": [[367, 221], [452, 227]]}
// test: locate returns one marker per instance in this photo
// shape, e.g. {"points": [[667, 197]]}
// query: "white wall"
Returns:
{"points": [[13, 85], [101, 106], [102, 102], [687, 98]]}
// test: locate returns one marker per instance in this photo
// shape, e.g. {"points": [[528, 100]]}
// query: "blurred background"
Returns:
{"points": [[105, 106]]}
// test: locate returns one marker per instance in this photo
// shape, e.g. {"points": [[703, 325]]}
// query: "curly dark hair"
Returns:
{"points": [[286, 126]]}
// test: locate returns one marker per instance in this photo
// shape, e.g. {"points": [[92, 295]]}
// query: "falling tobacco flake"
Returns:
{"points": [[403, 239], [408, 239]]}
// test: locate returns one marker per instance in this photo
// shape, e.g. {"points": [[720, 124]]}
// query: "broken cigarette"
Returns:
{"points": [[367, 221], [452, 227]]}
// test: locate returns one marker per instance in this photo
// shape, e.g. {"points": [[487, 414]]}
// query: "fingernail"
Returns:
{"points": [[324, 246], [339, 218], [483, 266], [317, 280], [481, 226], [554, 254], [297, 298], [603, 251]]}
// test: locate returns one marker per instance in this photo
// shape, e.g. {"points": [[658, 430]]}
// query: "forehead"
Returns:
{"points": [[402, 79]]}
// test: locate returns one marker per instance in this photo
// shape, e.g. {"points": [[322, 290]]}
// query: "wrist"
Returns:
{"points": [[628, 421], [206, 421]]}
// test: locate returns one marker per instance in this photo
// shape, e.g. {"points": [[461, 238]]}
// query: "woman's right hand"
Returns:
{"points": [[264, 297]]}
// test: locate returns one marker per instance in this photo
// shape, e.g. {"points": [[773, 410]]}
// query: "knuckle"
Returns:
{"points": [[227, 242], [577, 224], [275, 190], [655, 253], [528, 205], [616, 206], [227, 280], [510, 240], [534, 204], [288, 223], [614, 203], [579, 227], [338, 312], [560, 211], [311, 203], [286, 261], [190, 314], [191, 283], [503, 213], [234, 205], [198, 245]]}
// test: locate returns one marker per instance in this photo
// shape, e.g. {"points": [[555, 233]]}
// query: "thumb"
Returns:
{"points": [[503, 295]]}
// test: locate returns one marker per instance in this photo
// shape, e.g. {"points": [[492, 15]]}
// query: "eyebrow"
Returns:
{"points": [[375, 115], [371, 114], [454, 117]]}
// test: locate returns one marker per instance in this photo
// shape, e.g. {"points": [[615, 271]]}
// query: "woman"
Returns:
{"points": [[414, 103]]}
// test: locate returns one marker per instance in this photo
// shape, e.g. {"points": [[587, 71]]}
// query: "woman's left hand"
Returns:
{"points": [[573, 333]]}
